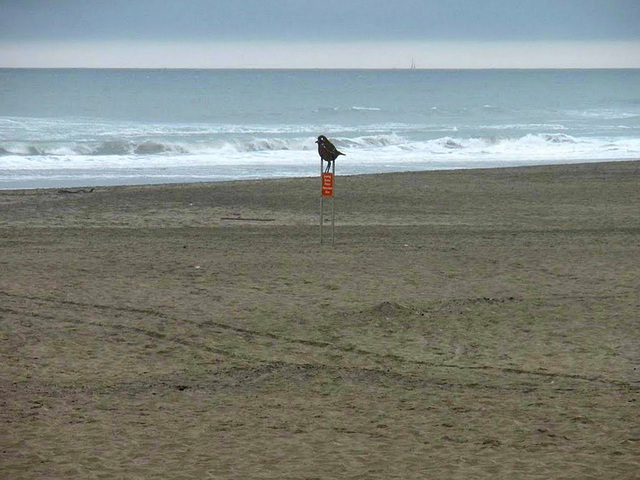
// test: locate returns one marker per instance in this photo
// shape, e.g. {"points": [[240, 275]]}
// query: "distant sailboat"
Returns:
{"points": [[413, 64]]}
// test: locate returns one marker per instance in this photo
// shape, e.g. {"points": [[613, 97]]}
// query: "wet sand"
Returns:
{"points": [[466, 324]]}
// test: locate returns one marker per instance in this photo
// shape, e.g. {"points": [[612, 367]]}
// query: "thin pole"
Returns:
{"points": [[321, 201], [333, 210]]}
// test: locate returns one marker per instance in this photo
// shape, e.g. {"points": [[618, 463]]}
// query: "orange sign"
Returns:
{"points": [[327, 184]]}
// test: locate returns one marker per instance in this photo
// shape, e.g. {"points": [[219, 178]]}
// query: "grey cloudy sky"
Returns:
{"points": [[329, 33]]}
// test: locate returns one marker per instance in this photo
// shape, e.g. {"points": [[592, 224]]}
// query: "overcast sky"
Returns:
{"points": [[329, 33]]}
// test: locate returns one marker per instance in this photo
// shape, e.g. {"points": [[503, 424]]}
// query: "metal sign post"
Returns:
{"points": [[327, 191]]}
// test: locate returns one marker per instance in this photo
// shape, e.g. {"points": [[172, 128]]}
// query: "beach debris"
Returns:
{"points": [[79, 190], [249, 219]]}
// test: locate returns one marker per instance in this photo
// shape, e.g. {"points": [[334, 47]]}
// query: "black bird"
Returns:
{"points": [[328, 152]]}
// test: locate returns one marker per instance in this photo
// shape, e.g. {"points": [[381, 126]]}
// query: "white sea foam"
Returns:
{"points": [[606, 114], [366, 109], [283, 151]]}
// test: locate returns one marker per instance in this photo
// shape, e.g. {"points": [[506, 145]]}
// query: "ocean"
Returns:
{"points": [[77, 128]]}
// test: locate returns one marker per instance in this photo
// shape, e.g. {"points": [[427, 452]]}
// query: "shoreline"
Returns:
{"points": [[80, 185]]}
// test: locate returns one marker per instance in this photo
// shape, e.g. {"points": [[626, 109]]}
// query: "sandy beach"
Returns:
{"points": [[466, 324]]}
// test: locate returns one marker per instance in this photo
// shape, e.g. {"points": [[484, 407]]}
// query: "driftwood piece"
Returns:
{"points": [[80, 190], [248, 219]]}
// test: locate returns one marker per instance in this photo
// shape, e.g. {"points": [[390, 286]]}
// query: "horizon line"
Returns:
{"points": [[324, 56], [319, 68]]}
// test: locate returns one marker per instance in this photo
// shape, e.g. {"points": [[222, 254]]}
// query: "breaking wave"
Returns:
{"points": [[110, 147], [551, 144]]}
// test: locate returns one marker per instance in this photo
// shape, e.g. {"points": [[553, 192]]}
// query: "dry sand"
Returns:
{"points": [[467, 324]]}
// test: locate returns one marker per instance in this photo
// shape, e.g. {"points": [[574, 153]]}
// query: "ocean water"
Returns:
{"points": [[72, 128]]}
